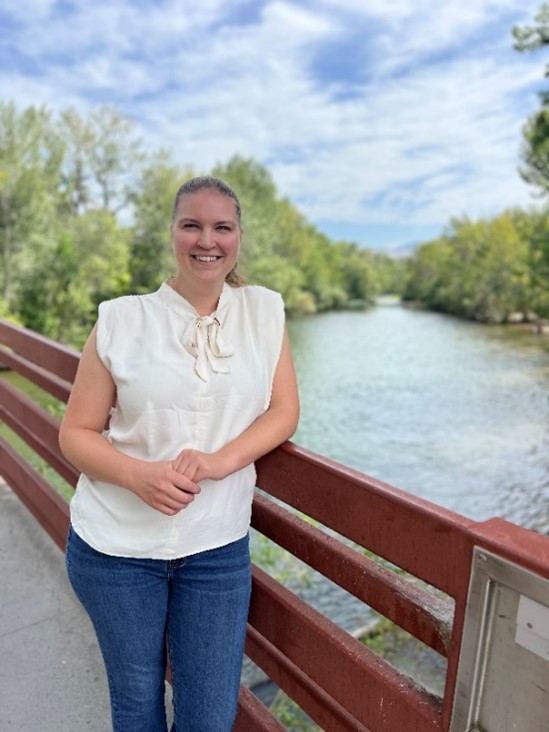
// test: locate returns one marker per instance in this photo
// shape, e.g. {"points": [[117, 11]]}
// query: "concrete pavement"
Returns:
{"points": [[51, 672]]}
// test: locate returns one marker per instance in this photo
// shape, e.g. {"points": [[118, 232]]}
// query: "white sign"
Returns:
{"points": [[533, 627]]}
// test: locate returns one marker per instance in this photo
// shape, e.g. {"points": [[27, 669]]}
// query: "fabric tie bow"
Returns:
{"points": [[205, 340]]}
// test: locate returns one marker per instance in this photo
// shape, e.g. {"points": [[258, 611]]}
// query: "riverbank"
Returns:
{"points": [[528, 322]]}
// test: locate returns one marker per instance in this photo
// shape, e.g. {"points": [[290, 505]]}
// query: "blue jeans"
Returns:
{"points": [[192, 610]]}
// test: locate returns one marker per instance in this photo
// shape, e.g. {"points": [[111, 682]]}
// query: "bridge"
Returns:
{"points": [[477, 593]]}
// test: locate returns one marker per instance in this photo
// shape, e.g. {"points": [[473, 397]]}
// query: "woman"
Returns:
{"points": [[195, 382]]}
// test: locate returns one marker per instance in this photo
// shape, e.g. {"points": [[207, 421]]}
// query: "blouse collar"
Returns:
{"points": [[203, 336]]}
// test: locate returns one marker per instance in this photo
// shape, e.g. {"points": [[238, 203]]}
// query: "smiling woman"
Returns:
{"points": [[196, 381]]}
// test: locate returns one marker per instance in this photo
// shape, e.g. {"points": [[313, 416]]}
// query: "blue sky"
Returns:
{"points": [[379, 119]]}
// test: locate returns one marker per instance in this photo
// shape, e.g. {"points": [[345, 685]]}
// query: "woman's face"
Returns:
{"points": [[205, 237]]}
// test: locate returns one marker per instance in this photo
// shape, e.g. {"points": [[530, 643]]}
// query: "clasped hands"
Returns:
{"points": [[169, 486]]}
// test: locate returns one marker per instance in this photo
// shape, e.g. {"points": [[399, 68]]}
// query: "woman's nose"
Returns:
{"points": [[206, 240]]}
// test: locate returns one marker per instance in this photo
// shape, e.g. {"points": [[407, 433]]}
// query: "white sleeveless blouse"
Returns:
{"points": [[182, 381]]}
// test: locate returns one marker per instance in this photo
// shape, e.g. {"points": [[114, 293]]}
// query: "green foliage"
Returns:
{"points": [[6, 314], [535, 150], [359, 278], [391, 273], [100, 156], [29, 156], [62, 182], [63, 247], [483, 270], [152, 199], [275, 272], [535, 147], [530, 38], [88, 264], [533, 227]]}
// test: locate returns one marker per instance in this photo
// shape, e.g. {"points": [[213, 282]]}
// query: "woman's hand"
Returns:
{"points": [[164, 488], [196, 465]]}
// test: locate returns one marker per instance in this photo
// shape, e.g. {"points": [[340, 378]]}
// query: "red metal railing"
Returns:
{"points": [[337, 680]]}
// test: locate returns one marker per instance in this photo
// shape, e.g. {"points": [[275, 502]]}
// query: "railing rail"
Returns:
{"points": [[336, 679]]}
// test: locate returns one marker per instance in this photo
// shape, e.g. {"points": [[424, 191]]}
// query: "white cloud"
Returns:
{"points": [[418, 137]]}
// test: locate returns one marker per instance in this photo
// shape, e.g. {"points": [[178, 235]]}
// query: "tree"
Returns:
{"points": [[535, 148], [151, 259], [530, 38], [477, 269], [113, 157], [533, 228], [278, 274], [87, 263], [78, 140], [390, 273], [101, 153], [30, 156], [425, 273], [359, 277]]}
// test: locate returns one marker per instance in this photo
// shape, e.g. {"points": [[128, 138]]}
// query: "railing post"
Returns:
{"points": [[501, 673]]}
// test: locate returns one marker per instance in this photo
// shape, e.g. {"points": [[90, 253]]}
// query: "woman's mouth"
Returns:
{"points": [[207, 259]]}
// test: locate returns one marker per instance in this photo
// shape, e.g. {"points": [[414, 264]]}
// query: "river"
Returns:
{"points": [[449, 410]]}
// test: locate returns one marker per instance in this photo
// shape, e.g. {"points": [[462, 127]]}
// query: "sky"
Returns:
{"points": [[379, 119]]}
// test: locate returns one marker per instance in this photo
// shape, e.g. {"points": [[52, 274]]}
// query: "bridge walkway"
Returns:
{"points": [[51, 672]]}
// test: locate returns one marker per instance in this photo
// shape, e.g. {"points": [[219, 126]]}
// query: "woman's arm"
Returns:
{"points": [[268, 431], [80, 437]]}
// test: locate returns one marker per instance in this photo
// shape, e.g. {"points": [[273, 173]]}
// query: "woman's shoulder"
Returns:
{"points": [[120, 308], [258, 294], [259, 306]]}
